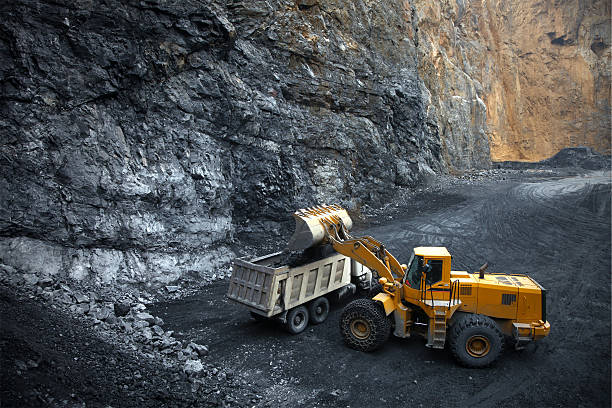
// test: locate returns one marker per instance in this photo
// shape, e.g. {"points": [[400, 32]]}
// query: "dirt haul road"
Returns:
{"points": [[555, 230]]}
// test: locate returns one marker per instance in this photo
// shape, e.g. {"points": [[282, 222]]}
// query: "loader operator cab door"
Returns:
{"points": [[433, 271], [419, 268], [415, 270]]}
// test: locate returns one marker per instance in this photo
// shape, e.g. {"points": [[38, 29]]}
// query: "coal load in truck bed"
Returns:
{"points": [[297, 258]]}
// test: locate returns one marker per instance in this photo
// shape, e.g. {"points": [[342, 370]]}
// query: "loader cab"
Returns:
{"points": [[433, 264]]}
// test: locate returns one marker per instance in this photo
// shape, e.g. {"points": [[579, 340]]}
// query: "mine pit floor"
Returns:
{"points": [[553, 227]]}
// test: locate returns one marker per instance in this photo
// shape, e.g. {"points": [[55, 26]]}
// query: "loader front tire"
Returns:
{"points": [[364, 325], [318, 310], [297, 320], [476, 341]]}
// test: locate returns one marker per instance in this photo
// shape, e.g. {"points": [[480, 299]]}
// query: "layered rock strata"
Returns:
{"points": [[138, 136]]}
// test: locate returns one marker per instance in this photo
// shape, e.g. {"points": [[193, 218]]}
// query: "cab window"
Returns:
{"points": [[414, 272], [435, 273]]}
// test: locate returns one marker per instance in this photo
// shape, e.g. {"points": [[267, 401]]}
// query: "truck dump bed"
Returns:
{"points": [[270, 290]]}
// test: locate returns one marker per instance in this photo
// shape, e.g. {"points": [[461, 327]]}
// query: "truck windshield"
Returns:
{"points": [[414, 271]]}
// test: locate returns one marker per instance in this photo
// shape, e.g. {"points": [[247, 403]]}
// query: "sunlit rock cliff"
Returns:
{"points": [[538, 73]]}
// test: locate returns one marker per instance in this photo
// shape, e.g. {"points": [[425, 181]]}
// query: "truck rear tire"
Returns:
{"points": [[318, 310], [476, 341], [364, 325], [297, 320]]}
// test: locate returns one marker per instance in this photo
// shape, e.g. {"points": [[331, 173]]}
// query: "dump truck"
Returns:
{"points": [[295, 294], [476, 314]]}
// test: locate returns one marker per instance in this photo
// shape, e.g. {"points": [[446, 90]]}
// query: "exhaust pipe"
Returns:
{"points": [[482, 270]]}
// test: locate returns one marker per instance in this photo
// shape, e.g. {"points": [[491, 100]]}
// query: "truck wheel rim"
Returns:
{"points": [[298, 319], [478, 346], [360, 329]]}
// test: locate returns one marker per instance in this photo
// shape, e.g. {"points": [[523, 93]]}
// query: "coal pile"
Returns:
{"points": [[572, 157], [64, 345]]}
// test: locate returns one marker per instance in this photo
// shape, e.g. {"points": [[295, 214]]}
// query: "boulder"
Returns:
{"points": [[30, 279], [66, 299], [201, 350], [193, 367], [140, 324], [146, 317], [158, 330], [104, 313], [121, 309]]}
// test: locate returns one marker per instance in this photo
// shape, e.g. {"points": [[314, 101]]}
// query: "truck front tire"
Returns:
{"points": [[364, 325], [476, 341], [297, 320]]}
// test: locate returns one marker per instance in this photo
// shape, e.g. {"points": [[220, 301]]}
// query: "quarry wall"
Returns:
{"points": [[139, 137]]}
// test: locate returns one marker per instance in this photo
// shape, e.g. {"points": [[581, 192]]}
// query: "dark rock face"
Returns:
{"points": [[138, 136]]}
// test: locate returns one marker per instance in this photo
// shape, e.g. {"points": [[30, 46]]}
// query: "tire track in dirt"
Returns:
{"points": [[553, 230]]}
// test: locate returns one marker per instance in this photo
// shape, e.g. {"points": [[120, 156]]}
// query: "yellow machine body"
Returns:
{"points": [[517, 303]]}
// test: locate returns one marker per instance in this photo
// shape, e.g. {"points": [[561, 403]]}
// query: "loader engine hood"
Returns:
{"points": [[508, 294]]}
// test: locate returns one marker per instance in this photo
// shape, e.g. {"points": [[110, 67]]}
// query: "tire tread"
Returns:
{"points": [[467, 322], [369, 310]]}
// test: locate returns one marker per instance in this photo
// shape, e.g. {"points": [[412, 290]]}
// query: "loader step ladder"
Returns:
{"points": [[520, 342], [436, 333]]}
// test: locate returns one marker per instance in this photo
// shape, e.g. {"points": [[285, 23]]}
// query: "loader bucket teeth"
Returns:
{"points": [[311, 224]]}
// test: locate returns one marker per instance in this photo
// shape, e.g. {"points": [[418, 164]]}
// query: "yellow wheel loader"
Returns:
{"points": [[474, 312]]}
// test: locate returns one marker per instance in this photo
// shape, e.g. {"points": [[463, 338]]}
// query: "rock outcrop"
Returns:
{"points": [[139, 136], [446, 67], [541, 68]]}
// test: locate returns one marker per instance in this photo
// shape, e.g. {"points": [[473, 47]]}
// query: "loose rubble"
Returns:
{"points": [[126, 322]]}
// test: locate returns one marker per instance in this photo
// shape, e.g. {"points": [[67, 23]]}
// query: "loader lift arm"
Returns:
{"points": [[369, 252]]}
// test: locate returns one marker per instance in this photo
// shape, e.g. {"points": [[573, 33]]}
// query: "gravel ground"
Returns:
{"points": [[552, 225]]}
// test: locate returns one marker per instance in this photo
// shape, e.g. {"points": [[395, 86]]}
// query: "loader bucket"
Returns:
{"points": [[310, 225]]}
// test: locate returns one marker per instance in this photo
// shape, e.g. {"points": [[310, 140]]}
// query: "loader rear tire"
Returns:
{"points": [[297, 320], [364, 325], [476, 341], [318, 310]]}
